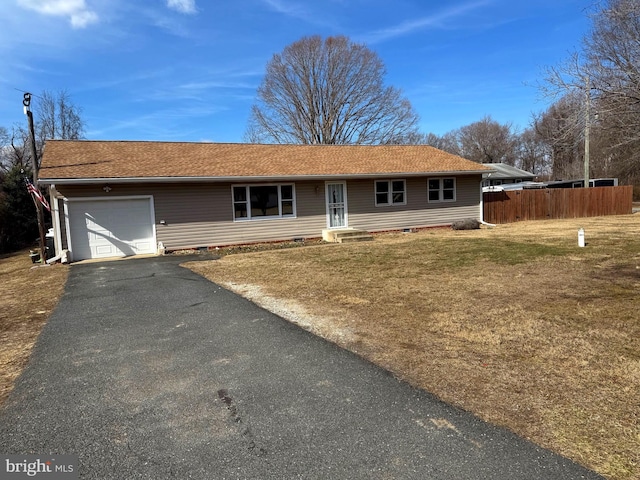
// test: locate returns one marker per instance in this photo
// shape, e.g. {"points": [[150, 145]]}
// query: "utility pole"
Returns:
{"points": [[587, 131], [26, 102]]}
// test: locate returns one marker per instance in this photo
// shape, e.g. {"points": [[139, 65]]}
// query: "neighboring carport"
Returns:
{"points": [[146, 370]]}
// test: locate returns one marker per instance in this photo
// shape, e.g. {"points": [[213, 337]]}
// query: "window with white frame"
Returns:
{"points": [[441, 190], [254, 202], [390, 192]]}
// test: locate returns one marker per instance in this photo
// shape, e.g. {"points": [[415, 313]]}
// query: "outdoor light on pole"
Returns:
{"points": [[26, 102]]}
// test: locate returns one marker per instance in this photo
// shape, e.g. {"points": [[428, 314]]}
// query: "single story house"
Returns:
{"points": [[120, 198], [505, 174]]}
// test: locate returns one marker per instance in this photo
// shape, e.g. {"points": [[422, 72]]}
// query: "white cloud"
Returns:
{"points": [[438, 20], [76, 10], [285, 8], [84, 18], [183, 6], [300, 12]]}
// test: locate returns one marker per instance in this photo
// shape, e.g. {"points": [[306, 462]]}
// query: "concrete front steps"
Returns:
{"points": [[345, 235]]}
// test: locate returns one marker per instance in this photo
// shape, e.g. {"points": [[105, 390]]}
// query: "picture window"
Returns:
{"points": [[254, 202]]}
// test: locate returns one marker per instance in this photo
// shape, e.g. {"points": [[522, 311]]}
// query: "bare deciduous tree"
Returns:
{"points": [[4, 148], [484, 141], [609, 67], [447, 142], [613, 61], [533, 153], [488, 141], [329, 92], [56, 117], [561, 129], [15, 147]]}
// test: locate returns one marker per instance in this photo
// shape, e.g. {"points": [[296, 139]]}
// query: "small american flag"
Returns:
{"points": [[31, 188]]}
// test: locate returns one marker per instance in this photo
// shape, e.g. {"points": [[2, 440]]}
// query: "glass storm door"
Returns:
{"points": [[336, 205]]}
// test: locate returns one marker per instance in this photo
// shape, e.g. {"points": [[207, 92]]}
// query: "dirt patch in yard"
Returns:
{"points": [[28, 295], [515, 323]]}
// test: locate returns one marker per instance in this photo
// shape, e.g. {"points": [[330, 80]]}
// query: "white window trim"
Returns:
{"points": [[390, 192], [248, 186], [441, 190]]}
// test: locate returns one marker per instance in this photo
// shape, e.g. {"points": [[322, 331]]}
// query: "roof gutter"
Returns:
{"points": [[252, 178]]}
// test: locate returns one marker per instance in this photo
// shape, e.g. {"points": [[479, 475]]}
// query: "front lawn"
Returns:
{"points": [[28, 295], [515, 323]]}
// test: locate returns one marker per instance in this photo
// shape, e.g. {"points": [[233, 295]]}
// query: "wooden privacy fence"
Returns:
{"points": [[518, 205]]}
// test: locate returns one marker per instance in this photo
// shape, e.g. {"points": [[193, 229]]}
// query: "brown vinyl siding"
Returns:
{"points": [[201, 215], [418, 212]]}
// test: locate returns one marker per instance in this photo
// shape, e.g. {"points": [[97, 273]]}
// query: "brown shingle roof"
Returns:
{"points": [[82, 159]]}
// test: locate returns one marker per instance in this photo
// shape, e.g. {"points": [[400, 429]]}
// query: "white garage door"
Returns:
{"points": [[110, 228]]}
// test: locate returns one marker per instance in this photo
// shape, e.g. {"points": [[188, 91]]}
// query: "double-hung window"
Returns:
{"points": [[441, 190], [254, 202], [391, 192]]}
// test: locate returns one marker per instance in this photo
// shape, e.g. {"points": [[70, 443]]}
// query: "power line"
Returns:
{"points": [[25, 91]]}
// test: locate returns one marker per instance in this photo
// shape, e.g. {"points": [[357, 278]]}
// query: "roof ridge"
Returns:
{"points": [[191, 142]]}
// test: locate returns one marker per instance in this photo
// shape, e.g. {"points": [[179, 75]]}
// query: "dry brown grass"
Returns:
{"points": [[515, 323], [27, 298]]}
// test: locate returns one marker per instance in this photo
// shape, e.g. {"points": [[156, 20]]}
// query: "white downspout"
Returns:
{"points": [[55, 216], [482, 209]]}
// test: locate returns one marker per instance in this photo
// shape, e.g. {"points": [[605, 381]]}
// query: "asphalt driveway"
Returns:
{"points": [[147, 370]]}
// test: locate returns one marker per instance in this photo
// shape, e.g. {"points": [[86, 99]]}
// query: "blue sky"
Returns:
{"points": [[188, 70]]}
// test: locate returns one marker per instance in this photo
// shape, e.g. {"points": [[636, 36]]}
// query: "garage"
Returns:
{"points": [[114, 227]]}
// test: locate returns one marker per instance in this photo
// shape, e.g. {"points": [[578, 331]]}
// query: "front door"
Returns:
{"points": [[337, 205]]}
